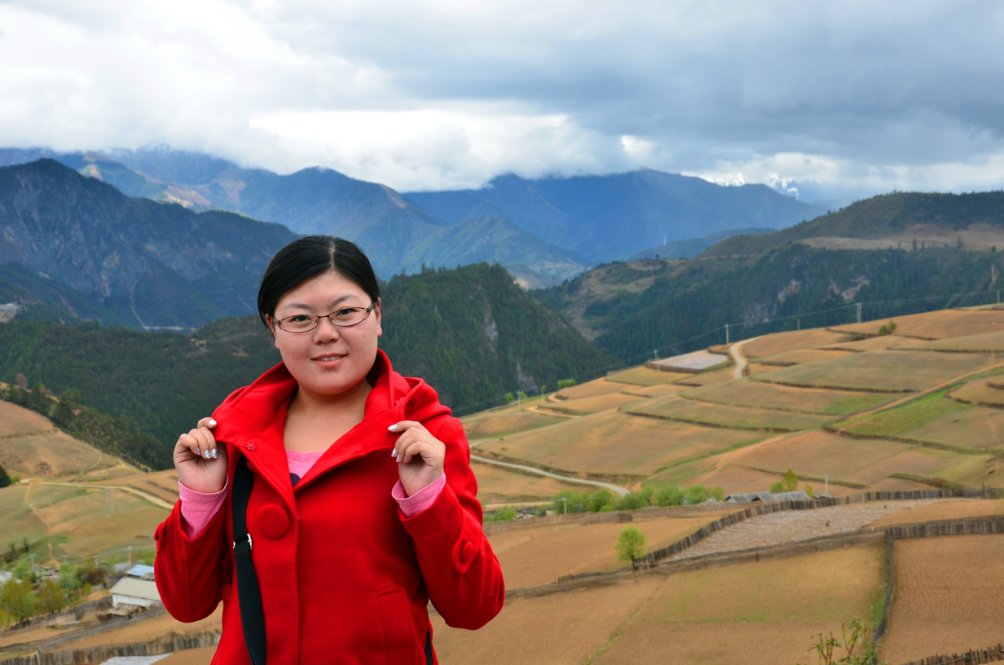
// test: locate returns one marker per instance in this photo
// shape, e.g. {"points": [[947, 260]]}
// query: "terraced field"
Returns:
{"points": [[703, 413], [788, 398]]}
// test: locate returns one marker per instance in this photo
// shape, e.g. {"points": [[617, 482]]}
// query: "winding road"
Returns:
{"points": [[739, 359], [616, 489]]}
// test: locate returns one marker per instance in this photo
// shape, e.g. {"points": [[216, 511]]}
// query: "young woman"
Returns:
{"points": [[362, 505]]}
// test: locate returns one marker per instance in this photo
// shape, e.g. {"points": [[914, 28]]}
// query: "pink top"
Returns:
{"points": [[199, 508]]}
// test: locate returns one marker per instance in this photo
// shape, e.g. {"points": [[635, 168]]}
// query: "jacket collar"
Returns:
{"points": [[252, 421]]}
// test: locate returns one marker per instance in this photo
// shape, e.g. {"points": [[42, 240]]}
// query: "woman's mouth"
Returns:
{"points": [[328, 358]]}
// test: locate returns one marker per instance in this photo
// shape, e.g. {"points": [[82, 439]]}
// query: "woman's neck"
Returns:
{"points": [[314, 421]]}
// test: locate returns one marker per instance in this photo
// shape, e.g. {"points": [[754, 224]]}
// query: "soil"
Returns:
{"points": [[598, 403], [951, 510], [936, 325], [645, 376], [591, 389], [738, 417], [531, 557], [202, 656], [949, 596], [145, 631], [496, 485], [805, 339]]}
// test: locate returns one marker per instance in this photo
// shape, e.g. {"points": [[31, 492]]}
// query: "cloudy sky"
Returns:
{"points": [[833, 99]]}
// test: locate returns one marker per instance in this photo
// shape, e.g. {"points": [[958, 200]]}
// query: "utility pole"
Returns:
{"points": [[32, 557], [726, 333], [565, 499], [859, 312], [799, 321], [655, 352], [130, 555], [826, 487], [519, 407]]}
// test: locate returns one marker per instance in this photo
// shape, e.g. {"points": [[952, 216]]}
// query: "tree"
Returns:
{"points": [[630, 545], [50, 597], [17, 599], [789, 481], [4, 478]]}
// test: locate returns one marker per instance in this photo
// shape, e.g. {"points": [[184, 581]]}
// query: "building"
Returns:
{"points": [[137, 588], [770, 496]]}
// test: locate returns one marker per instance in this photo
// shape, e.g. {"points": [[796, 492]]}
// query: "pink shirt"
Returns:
{"points": [[199, 508]]}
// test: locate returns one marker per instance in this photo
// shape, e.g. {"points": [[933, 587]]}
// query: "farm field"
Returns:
{"points": [[949, 510], [51, 454], [499, 422], [949, 596], [644, 376], [935, 325], [801, 356], [708, 378], [498, 486], [617, 443], [776, 396], [890, 371], [982, 392], [531, 557], [769, 345], [655, 391], [149, 630], [595, 388], [593, 404], [17, 420], [880, 343], [986, 343], [678, 408]]}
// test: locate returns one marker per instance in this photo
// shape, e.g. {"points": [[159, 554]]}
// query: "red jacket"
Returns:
{"points": [[345, 577]]}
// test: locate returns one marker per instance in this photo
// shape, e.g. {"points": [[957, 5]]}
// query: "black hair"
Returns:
{"points": [[309, 257]]}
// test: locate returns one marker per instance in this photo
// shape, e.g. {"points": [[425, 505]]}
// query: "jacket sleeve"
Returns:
{"points": [[191, 572], [461, 572]]}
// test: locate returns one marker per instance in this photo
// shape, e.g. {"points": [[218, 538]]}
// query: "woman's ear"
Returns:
{"points": [[271, 328], [379, 316]]}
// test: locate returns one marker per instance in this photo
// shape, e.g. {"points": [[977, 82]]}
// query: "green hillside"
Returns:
{"points": [[878, 217]]}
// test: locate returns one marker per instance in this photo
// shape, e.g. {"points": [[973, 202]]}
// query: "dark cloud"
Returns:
{"points": [[845, 97]]}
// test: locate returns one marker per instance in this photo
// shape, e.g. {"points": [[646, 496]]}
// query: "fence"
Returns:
{"points": [[167, 644], [989, 655], [883, 627], [77, 610]]}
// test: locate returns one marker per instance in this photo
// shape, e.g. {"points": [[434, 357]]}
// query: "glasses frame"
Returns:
{"points": [[318, 317]]}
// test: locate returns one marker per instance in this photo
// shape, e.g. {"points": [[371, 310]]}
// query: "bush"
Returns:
{"points": [[777, 488], [504, 515], [146, 556], [600, 500], [669, 496], [566, 383], [718, 492], [887, 328], [575, 502], [630, 545], [811, 492], [632, 501], [790, 481], [18, 599], [697, 494], [50, 597], [509, 398], [5, 479], [855, 646]]}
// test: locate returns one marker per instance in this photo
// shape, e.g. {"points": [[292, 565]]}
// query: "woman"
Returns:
{"points": [[362, 504]]}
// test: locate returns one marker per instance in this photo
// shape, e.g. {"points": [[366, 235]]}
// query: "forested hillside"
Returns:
{"points": [[687, 305], [472, 333]]}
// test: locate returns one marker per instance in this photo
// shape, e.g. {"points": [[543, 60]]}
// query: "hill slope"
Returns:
{"points": [[167, 266]]}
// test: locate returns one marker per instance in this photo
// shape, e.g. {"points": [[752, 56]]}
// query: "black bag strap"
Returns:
{"points": [[248, 593]]}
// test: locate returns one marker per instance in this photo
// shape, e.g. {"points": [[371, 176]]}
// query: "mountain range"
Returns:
{"points": [[568, 224]]}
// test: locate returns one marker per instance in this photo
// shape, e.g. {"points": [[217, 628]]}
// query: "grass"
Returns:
{"points": [[888, 371], [768, 345], [733, 417], [644, 376], [490, 424], [765, 395], [906, 418]]}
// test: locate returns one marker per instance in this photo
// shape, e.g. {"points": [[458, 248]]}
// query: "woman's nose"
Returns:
{"points": [[326, 330]]}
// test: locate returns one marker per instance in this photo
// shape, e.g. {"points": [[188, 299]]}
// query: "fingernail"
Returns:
{"points": [[399, 458], [393, 452], [216, 453], [206, 454], [212, 423], [393, 427]]}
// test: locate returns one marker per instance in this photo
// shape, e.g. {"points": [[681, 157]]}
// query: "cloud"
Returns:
{"points": [[853, 96]]}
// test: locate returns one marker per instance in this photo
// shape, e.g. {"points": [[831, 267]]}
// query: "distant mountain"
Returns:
{"points": [[73, 241], [394, 247], [890, 221], [691, 247], [614, 216]]}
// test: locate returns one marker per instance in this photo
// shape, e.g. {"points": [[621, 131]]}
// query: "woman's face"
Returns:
{"points": [[327, 361]]}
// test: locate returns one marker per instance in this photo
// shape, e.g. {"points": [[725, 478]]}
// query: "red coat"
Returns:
{"points": [[345, 577]]}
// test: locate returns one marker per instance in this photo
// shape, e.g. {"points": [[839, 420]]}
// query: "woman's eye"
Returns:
{"points": [[299, 318], [348, 311]]}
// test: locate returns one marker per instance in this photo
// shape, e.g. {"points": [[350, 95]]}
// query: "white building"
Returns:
{"points": [[135, 591]]}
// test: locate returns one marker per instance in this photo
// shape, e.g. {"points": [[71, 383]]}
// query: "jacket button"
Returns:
{"points": [[272, 521], [466, 553]]}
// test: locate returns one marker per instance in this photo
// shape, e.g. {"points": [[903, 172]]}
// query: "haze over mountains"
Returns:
{"points": [[567, 223]]}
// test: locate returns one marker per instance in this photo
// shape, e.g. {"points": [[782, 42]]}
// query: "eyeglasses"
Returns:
{"points": [[343, 318]]}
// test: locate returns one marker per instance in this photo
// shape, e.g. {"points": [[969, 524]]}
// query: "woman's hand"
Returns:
{"points": [[201, 465], [419, 455]]}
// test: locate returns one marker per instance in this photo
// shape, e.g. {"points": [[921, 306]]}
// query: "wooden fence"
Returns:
{"points": [[883, 627], [167, 644], [977, 657]]}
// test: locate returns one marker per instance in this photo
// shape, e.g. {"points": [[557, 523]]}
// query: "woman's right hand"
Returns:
{"points": [[201, 465]]}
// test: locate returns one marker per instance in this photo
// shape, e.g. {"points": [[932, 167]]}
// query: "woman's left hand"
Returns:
{"points": [[419, 455]]}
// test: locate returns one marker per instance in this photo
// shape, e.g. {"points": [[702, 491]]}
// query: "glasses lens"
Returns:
{"points": [[299, 323], [349, 315]]}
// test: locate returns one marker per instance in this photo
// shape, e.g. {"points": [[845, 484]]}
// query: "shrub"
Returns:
{"points": [[599, 500], [790, 481], [887, 328], [718, 492], [630, 501], [5, 479], [697, 494], [777, 488], [576, 502], [504, 515], [146, 556], [50, 597], [853, 647], [669, 496], [566, 383], [811, 492], [17, 599], [630, 545], [509, 398]]}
